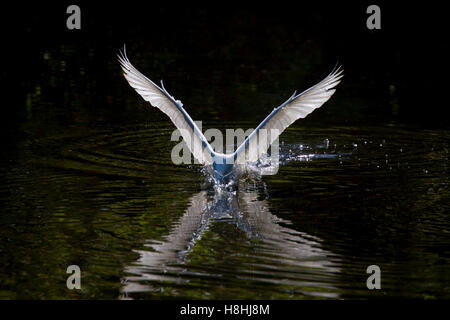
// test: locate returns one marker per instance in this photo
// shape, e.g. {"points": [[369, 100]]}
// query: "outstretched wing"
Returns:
{"points": [[296, 107], [160, 98]]}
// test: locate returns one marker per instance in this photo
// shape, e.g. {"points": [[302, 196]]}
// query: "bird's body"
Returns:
{"points": [[222, 169], [224, 165]]}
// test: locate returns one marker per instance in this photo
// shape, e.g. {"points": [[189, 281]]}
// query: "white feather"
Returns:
{"points": [[160, 98], [296, 107]]}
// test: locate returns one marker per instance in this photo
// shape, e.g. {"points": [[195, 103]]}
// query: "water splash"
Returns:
{"points": [[269, 164]]}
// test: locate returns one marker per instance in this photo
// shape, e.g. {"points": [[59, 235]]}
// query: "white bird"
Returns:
{"points": [[296, 107]]}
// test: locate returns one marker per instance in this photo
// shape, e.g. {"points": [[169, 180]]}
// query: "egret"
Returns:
{"points": [[296, 107]]}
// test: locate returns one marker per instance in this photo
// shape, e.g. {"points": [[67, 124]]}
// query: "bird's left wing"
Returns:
{"points": [[296, 107], [160, 98]]}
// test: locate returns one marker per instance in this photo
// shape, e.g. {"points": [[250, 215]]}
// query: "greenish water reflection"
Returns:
{"points": [[110, 201]]}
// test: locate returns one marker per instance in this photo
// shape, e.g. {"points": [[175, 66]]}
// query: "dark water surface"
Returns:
{"points": [[87, 178]]}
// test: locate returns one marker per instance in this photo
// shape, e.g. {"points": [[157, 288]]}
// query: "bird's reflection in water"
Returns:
{"points": [[282, 248]]}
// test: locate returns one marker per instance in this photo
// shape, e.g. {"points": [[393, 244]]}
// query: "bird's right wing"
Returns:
{"points": [[160, 98]]}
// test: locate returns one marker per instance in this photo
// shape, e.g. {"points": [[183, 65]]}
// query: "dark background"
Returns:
{"points": [[406, 58]]}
